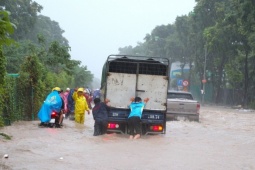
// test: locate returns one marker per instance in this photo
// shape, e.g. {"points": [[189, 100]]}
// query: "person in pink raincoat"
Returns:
{"points": [[64, 96], [88, 98]]}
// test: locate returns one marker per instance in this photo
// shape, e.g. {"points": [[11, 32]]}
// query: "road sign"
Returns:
{"points": [[180, 82], [185, 83], [204, 81]]}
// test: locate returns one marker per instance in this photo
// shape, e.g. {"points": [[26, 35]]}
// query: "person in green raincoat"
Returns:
{"points": [[80, 106]]}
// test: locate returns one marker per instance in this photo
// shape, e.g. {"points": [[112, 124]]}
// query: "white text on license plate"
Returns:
{"points": [[115, 114]]}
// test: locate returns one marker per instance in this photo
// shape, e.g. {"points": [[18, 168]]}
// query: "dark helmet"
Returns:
{"points": [[97, 100], [138, 99]]}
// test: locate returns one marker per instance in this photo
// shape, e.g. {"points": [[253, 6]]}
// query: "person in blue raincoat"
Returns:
{"points": [[53, 102]]}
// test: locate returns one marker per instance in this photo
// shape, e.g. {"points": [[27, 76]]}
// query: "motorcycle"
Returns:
{"points": [[55, 120]]}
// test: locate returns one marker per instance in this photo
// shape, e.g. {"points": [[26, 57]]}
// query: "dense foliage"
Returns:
{"points": [[220, 31], [6, 28], [38, 60]]}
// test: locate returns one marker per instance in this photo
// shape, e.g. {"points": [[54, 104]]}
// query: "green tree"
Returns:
{"points": [[16, 53], [222, 32], [6, 28], [23, 15], [49, 30], [218, 39], [30, 86], [58, 58], [82, 76], [245, 28]]}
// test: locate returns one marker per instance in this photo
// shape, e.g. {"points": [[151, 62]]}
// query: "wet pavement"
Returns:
{"points": [[223, 139]]}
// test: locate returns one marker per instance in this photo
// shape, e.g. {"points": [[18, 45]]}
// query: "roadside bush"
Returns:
{"points": [[2, 84], [1, 108], [1, 121], [251, 105], [30, 86], [10, 100]]}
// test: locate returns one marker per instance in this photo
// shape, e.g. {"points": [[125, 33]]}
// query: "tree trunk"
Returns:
{"points": [[246, 80], [218, 96], [218, 88], [189, 77]]}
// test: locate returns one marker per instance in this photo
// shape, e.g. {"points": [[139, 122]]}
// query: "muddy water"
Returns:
{"points": [[223, 139]]}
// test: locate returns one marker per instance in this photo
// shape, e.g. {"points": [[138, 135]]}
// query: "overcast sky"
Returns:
{"points": [[97, 28]]}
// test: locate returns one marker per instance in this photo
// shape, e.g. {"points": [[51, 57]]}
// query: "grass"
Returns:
{"points": [[6, 136]]}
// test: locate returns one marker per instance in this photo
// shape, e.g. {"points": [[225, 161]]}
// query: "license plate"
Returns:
{"points": [[115, 114], [181, 118], [153, 116], [52, 120]]}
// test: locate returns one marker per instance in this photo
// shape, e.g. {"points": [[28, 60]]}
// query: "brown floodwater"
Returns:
{"points": [[223, 139]]}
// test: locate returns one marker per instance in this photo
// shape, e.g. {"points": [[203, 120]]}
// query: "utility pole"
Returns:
{"points": [[204, 78]]}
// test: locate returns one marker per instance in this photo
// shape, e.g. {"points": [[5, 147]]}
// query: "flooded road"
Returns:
{"points": [[223, 139]]}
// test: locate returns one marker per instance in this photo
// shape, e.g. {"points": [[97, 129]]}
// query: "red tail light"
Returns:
{"points": [[198, 108], [113, 126], [156, 128], [53, 114]]}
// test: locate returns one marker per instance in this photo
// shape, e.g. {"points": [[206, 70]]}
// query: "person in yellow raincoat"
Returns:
{"points": [[80, 106]]}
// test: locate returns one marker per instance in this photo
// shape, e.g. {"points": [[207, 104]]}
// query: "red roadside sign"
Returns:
{"points": [[185, 83]]}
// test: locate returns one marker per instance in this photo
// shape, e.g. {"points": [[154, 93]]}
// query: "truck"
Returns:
{"points": [[182, 106], [127, 76]]}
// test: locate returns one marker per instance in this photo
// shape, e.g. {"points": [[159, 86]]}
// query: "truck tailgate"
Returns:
{"points": [[181, 106]]}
